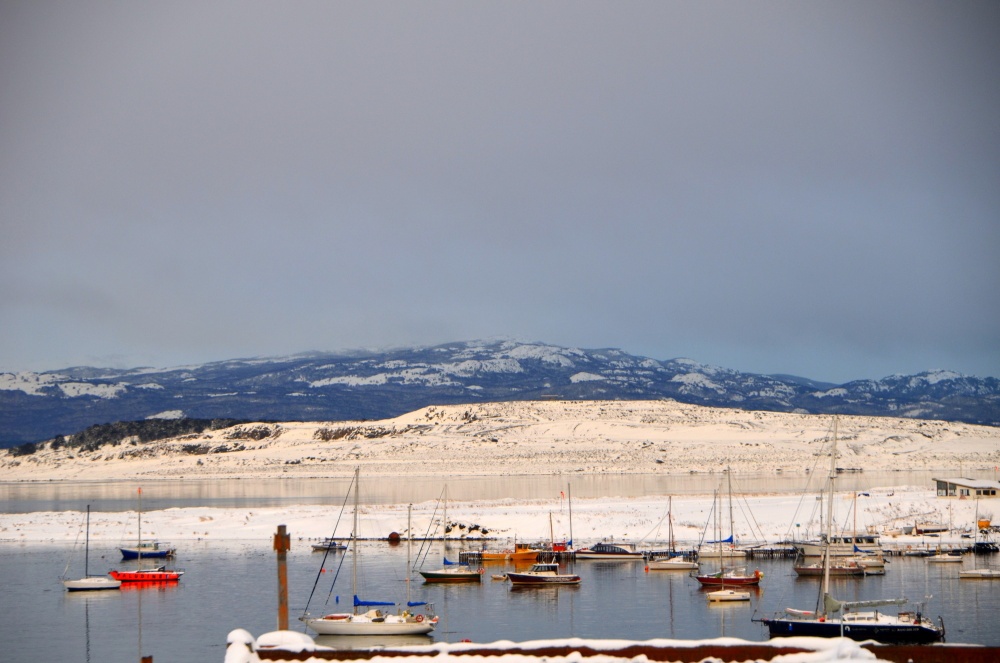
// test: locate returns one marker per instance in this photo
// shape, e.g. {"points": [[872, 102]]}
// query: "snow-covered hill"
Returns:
{"points": [[381, 384], [528, 437]]}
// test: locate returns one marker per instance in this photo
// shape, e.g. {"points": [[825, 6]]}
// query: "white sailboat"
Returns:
{"points": [[674, 561], [89, 582], [372, 620], [825, 622]]}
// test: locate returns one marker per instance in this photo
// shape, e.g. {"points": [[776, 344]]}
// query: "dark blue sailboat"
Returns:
{"points": [[833, 618]]}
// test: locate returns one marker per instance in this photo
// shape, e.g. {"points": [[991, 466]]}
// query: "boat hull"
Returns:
{"points": [[452, 576], [980, 574], [886, 633], [93, 583], [527, 579], [722, 579], [146, 576], [346, 624], [673, 564], [510, 556], [726, 595], [816, 570]]}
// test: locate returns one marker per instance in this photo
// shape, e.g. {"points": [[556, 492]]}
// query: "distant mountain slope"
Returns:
{"points": [[381, 384]]}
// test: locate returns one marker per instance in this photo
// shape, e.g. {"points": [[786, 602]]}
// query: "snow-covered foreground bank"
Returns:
{"points": [[756, 519], [242, 647]]}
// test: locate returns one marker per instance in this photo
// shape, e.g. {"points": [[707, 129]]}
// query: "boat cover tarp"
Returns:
{"points": [[414, 604], [728, 539], [359, 603], [447, 563]]}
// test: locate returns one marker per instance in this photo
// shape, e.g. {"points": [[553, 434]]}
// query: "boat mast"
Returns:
{"points": [[354, 541], [829, 519], [569, 495], [729, 479], [670, 524], [552, 534], [86, 548], [139, 544], [409, 548]]}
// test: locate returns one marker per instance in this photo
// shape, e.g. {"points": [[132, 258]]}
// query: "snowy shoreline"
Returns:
{"points": [[757, 520], [629, 440]]}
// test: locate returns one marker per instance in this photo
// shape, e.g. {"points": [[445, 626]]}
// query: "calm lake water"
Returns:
{"points": [[233, 584]]}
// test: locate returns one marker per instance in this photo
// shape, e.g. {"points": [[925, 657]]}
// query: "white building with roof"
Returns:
{"points": [[962, 487]]}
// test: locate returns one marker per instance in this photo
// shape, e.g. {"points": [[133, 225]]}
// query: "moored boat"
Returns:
{"points": [[329, 544], [521, 552], [840, 569], [149, 576], [373, 620], [609, 551], [542, 573], [453, 572], [89, 582], [156, 575], [980, 574], [835, 618], [730, 577], [677, 563], [726, 595], [945, 558]]}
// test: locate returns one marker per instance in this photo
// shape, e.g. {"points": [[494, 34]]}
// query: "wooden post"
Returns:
{"points": [[282, 544]]}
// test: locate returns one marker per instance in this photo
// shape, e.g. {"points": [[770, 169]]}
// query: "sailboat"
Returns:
{"points": [[373, 621], [89, 582], [674, 561], [839, 566], [730, 576], [146, 549], [824, 622], [450, 571], [153, 575]]}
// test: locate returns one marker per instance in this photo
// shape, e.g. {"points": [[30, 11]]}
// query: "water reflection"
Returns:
{"points": [[115, 496]]}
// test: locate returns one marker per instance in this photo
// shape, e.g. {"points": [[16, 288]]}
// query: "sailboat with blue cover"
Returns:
{"points": [[370, 617]]}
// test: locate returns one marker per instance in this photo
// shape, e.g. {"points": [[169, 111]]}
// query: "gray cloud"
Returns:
{"points": [[769, 186]]}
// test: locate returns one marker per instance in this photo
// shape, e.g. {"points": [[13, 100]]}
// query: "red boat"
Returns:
{"points": [[147, 575], [731, 577]]}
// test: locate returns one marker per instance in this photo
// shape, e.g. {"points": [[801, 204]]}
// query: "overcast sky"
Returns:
{"points": [[775, 187]]}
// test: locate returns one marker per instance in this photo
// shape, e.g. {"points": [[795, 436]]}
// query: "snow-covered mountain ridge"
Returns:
{"points": [[382, 384]]}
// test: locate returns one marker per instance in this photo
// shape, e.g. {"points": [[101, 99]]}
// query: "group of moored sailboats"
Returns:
{"points": [[833, 618], [140, 551]]}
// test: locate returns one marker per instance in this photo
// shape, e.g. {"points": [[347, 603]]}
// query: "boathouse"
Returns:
{"points": [[967, 488]]}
